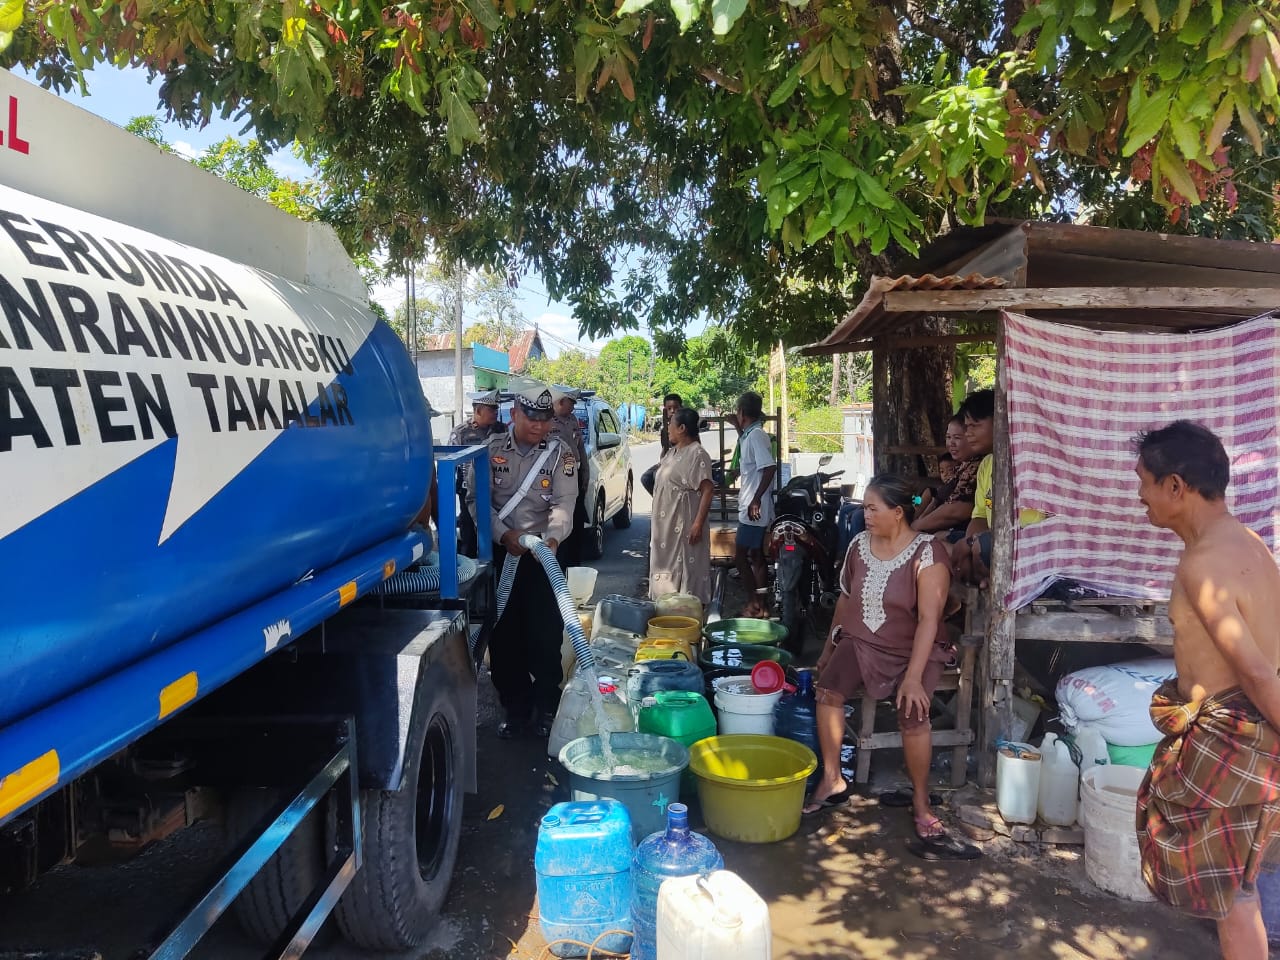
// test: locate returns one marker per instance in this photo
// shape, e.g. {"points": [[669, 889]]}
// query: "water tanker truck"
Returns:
{"points": [[213, 456]]}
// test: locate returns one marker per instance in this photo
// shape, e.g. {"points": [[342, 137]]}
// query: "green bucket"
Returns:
{"points": [[646, 792], [745, 630]]}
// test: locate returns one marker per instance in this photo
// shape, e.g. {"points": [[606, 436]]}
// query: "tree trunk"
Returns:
{"points": [[916, 402], [834, 397]]}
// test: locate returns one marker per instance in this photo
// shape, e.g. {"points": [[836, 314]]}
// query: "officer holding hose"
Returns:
{"points": [[534, 484]]}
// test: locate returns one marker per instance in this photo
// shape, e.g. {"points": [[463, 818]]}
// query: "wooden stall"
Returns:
{"points": [[1088, 277]]}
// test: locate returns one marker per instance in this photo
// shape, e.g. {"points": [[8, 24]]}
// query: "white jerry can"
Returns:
{"points": [[711, 917]]}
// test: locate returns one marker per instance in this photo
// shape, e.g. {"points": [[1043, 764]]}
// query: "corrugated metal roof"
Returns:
{"points": [[860, 322], [1036, 255]]}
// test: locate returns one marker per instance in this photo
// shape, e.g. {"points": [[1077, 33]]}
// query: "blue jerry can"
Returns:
{"points": [[583, 866]]}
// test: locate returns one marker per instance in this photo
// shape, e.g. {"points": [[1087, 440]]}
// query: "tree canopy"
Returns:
{"points": [[749, 161]]}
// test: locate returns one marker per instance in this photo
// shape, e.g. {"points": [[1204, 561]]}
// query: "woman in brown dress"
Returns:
{"points": [[887, 637], [679, 549]]}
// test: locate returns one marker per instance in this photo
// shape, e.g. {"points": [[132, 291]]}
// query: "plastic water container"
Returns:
{"points": [[665, 648], [1018, 782], [583, 867], [625, 613], [743, 709], [582, 583], [674, 852], [712, 917], [617, 716], [1059, 783], [1109, 806], [679, 605], [646, 679], [682, 715], [646, 781], [614, 656], [574, 701], [795, 716], [1093, 749]]}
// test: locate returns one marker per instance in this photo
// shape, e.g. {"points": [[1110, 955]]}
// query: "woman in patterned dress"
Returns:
{"points": [[679, 548], [887, 637]]}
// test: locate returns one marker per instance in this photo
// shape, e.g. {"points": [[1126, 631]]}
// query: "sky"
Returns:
{"points": [[121, 95]]}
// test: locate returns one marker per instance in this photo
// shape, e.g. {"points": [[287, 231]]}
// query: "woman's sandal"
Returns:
{"points": [[832, 801]]}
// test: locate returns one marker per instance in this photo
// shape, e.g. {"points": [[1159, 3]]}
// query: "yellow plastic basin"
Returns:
{"points": [[751, 786]]}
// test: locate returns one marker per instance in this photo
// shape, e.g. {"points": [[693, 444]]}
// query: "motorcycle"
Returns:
{"points": [[803, 544]]}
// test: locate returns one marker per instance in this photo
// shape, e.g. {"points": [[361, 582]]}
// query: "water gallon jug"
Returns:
{"points": [[646, 679], [614, 656], [574, 702], [1093, 749], [616, 714], [583, 867], [1059, 783], [664, 648], [679, 605], [682, 715], [625, 613], [674, 852], [795, 716], [712, 917], [1018, 782]]}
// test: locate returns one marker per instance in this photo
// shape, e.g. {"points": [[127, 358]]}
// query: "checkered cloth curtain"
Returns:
{"points": [[1078, 397]]}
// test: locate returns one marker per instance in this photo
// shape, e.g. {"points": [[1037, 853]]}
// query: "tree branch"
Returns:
{"points": [[720, 80]]}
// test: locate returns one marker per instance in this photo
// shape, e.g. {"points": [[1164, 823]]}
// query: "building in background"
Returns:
{"points": [[483, 368]]}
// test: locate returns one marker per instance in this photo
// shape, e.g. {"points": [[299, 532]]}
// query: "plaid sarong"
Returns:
{"points": [[1209, 807]]}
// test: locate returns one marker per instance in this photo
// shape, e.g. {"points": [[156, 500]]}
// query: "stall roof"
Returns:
{"points": [[1092, 276]]}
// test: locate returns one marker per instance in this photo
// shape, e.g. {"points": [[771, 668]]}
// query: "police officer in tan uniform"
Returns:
{"points": [[533, 482], [569, 429], [484, 423]]}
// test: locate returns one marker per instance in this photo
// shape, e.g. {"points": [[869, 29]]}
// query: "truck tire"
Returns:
{"points": [[622, 519], [269, 902], [410, 835], [593, 536]]}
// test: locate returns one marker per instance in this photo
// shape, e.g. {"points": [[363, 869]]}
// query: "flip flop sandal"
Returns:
{"points": [[831, 802], [945, 847], [904, 798]]}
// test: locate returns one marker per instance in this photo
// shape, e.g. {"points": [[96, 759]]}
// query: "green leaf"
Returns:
{"points": [[1150, 13], [874, 193], [1176, 170], [586, 57], [632, 6], [841, 53], [838, 165], [845, 198], [1221, 121], [686, 12], [1185, 133], [1145, 122], [797, 191], [486, 15], [10, 15], [783, 91], [819, 227], [724, 14]]}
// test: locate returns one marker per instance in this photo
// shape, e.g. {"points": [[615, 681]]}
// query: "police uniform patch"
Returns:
{"points": [[545, 483], [569, 465], [498, 459]]}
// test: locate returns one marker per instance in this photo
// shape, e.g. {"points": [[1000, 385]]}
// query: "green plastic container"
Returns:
{"points": [[751, 786], [645, 794], [741, 657], [684, 717], [745, 630]]}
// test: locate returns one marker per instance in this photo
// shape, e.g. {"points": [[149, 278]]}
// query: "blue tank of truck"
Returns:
{"points": [[181, 436]]}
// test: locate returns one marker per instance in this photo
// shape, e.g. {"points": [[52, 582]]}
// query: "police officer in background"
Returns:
{"points": [[484, 423], [569, 430], [534, 483]]}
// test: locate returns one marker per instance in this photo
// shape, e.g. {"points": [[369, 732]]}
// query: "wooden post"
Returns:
{"points": [[998, 651], [879, 409], [784, 441]]}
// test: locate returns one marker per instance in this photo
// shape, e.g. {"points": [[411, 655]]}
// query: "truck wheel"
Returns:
{"points": [[269, 902], [593, 539], [410, 835], [622, 519]]}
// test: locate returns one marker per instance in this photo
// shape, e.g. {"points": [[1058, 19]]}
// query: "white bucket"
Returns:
{"points": [[1018, 782], [742, 709], [711, 917], [1108, 807], [582, 583]]}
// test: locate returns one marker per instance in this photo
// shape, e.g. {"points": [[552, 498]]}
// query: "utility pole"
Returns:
{"points": [[628, 374], [460, 280], [784, 446]]}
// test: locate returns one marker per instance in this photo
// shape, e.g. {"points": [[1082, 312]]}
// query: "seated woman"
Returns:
{"points": [[887, 637], [947, 513]]}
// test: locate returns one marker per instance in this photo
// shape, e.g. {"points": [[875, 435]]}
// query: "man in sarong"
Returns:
{"points": [[1209, 808]]}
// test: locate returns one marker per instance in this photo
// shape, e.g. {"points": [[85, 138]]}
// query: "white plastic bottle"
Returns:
{"points": [[1059, 783], [575, 700], [713, 916], [617, 716]]}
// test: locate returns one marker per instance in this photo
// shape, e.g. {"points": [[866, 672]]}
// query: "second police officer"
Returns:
{"points": [[484, 423]]}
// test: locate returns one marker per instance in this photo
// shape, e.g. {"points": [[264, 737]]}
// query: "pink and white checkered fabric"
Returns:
{"points": [[1077, 398]]}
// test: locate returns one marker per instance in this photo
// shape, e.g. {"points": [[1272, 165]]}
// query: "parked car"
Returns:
{"points": [[610, 480]]}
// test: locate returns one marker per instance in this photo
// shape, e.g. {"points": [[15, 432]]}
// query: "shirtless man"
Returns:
{"points": [[1202, 847]]}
